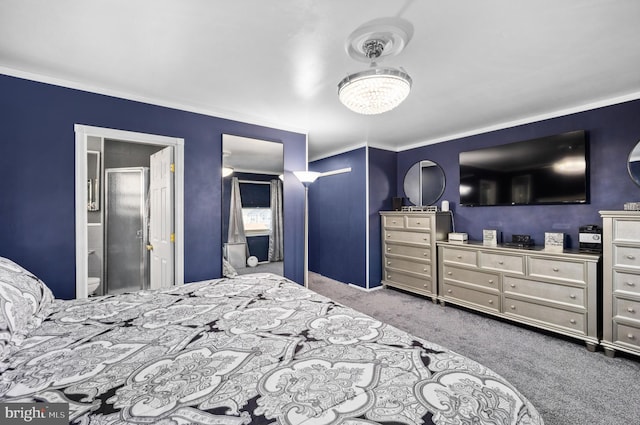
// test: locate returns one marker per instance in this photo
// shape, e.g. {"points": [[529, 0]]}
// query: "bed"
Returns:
{"points": [[255, 349]]}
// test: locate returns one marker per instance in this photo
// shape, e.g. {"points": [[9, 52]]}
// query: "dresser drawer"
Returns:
{"points": [[626, 256], [565, 319], [483, 299], [627, 308], [421, 284], [452, 255], [626, 230], [502, 262], [627, 335], [418, 223], [474, 277], [393, 222], [407, 237], [570, 271], [543, 290], [408, 251], [626, 282], [408, 265]]}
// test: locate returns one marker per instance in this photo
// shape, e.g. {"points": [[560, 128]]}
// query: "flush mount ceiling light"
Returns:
{"points": [[377, 89]]}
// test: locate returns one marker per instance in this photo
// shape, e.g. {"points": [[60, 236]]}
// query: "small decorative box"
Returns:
{"points": [[553, 242]]}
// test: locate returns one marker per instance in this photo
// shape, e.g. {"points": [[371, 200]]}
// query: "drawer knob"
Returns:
{"points": [[394, 222], [631, 336], [631, 257], [388, 276], [388, 249], [573, 321], [501, 262], [490, 280], [572, 296], [417, 222], [449, 273], [425, 269], [631, 310], [490, 301], [425, 285], [632, 284], [513, 285], [424, 254], [449, 291], [555, 269], [513, 307], [388, 235], [424, 239], [388, 263], [458, 256]]}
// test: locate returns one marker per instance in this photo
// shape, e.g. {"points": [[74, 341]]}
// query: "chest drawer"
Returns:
{"points": [[565, 319], [407, 237], [410, 266], [421, 284], [627, 335], [408, 251], [628, 309], [570, 271], [626, 256], [474, 277], [547, 291], [393, 222], [626, 282], [502, 262], [461, 256], [626, 230], [479, 298], [418, 223]]}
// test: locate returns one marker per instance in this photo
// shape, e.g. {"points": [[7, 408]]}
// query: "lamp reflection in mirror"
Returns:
{"points": [[306, 177], [226, 171]]}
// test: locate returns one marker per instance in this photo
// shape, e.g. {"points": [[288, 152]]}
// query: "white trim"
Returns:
{"points": [[340, 151], [230, 115], [254, 182], [527, 120], [334, 172], [366, 216], [365, 289], [82, 132], [306, 218]]}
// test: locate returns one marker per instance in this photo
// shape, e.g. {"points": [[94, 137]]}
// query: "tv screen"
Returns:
{"points": [[548, 170]]}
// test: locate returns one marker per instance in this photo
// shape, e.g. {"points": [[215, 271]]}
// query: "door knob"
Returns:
{"points": [[149, 247]]}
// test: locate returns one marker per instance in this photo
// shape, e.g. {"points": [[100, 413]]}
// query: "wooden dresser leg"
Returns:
{"points": [[610, 352], [591, 346]]}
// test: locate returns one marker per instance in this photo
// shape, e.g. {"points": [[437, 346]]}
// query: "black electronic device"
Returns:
{"points": [[397, 203], [548, 170], [520, 241], [590, 238]]}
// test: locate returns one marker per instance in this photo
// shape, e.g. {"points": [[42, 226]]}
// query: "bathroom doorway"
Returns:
{"points": [[121, 157]]}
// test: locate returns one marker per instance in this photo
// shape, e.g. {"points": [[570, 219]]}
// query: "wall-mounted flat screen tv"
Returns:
{"points": [[548, 170]]}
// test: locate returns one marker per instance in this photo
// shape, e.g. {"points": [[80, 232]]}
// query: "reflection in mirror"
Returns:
{"points": [[93, 180], [633, 164], [252, 206], [424, 183]]}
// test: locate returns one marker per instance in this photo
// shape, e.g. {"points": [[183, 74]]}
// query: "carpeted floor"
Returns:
{"points": [[568, 384]]}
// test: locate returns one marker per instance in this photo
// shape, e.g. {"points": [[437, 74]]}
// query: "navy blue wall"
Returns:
{"points": [[37, 181], [337, 214], [612, 131], [382, 187]]}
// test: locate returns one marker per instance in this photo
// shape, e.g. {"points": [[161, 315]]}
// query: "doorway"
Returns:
{"points": [[91, 207]]}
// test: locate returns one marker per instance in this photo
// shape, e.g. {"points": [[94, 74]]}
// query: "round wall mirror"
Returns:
{"points": [[424, 183], [633, 164]]}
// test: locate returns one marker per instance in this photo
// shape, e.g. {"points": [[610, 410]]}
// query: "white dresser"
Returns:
{"points": [[409, 249], [556, 291], [621, 281]]}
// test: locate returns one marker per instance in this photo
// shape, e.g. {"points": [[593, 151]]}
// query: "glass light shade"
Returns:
{"points": [[227, 171], [375, 90], [306, 177]]}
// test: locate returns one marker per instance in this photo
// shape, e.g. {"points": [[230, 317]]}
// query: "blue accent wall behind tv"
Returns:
{"points": [[337, 214], [37, 148], [612, 131]]}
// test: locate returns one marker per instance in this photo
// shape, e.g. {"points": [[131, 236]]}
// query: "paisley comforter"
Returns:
{"points": [[256, 349]]}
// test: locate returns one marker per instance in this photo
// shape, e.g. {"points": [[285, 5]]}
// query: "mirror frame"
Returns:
{"points": [[634, 157], [93, 184], [409, 185]]}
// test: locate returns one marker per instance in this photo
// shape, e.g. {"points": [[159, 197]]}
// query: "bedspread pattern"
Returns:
{"points": [[257, 349]]}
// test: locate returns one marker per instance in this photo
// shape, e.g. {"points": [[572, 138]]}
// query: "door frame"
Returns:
{"points": [[82, 132]]}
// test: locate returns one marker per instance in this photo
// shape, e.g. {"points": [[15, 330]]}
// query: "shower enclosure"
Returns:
{"points": [[126, 229]]}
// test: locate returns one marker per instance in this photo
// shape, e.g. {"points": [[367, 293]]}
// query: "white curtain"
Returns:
{"points": [[276, 242], [236, 225]]}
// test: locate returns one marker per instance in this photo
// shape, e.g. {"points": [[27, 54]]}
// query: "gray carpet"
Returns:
{"points": [[564, 381]]}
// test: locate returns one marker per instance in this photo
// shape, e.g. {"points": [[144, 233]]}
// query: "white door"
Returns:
{"points": [[161, 233]]}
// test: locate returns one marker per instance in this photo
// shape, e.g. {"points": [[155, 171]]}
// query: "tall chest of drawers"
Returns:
{"points": [[555, 291], [621, 281], [409, 249]]}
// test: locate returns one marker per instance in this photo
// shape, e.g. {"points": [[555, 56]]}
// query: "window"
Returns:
{"points": [[257, 221]]}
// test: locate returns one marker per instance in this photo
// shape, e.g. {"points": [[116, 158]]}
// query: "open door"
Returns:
{"points": [[161, 227]]}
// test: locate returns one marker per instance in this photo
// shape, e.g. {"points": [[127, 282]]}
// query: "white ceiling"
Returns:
{"points": [[476, 65]]}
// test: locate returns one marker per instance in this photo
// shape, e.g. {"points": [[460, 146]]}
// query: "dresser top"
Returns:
{"points": [[535, 249], [620, 213]]}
